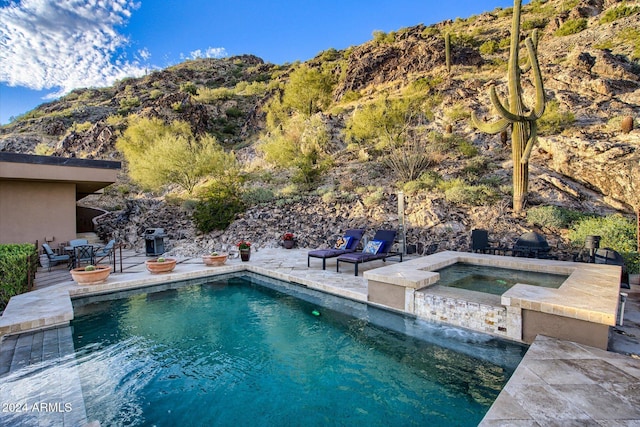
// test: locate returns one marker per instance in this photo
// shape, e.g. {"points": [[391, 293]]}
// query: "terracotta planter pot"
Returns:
{"points": [[156, 267], [99, 275], [215, 260], [245, 254], [288, 244]]}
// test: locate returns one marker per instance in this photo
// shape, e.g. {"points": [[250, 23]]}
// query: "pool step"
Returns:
{"points": [[45, 358]]}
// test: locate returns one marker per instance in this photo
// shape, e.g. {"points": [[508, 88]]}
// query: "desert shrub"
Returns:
{"points": [[116, 121], [209, 96], [373, 198], [256, 196], [249, 89], [380, 37], [631, 37], [458, 192], [571, 26], [189, 87], [43, 149], [80, 127], [427, 181], [234, 112], [309, 168], [127, 104], [457, 112], [616, 232], [489, 47], [466, 148], [504, 43], [430, 32], [621, 11], [531, 24], [155, 94], [552, 216], [409, 160], [554, 120], [218, 206], [476, 166], [329, 197], [463, 39], [350, 96]]}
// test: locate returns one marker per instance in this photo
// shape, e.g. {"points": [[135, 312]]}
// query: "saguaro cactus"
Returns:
{"points": [[447, 51], [523, 121]]}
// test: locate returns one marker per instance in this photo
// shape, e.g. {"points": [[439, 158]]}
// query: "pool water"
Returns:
{"points": [[494, 280], [242, 351]]}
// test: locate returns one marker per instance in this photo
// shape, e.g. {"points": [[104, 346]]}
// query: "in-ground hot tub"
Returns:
{"points": [[581, 309]]}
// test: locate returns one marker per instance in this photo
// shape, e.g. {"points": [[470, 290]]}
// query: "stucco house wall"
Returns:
{"points": [[38, 195], [31, 211]]}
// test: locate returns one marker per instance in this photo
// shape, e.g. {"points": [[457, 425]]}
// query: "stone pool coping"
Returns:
{"points": [[591, 293]]}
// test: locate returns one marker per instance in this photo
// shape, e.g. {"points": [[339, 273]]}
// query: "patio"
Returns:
{"points": [[557, 381]]}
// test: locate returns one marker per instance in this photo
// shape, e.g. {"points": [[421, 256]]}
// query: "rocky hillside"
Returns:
{"points": [[588, 52]]}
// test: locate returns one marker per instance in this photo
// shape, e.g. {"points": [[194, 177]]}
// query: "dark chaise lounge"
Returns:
{"points": [[356, 236], [386, 239]]}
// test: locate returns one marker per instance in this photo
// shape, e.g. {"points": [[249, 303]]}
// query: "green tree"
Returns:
{"points": [[159, 154], [302, 144], [308, 91], [384, 123]]}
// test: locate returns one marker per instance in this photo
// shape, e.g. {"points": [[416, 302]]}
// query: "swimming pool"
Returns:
{"points": [[248, 350], [494, 280]]}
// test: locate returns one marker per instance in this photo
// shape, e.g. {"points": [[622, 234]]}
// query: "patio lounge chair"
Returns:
{"points": [[351, 245], [53, 258], [377, 248]]}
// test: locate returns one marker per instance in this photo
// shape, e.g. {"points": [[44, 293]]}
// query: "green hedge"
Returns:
{"points": [[18, 264]]}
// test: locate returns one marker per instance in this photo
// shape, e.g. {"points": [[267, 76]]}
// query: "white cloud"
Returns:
{"points": [[144, 54], [210, 52], [65, 44]]}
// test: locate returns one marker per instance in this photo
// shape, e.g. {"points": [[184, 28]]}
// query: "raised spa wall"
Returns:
{"points": [[581, 310]]}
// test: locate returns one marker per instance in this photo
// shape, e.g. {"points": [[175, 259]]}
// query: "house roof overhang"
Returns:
{"points": [[89, 176]]}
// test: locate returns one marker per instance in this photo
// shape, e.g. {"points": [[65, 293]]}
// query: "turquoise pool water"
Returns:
{"points": [[494, 280], [245, 351]]}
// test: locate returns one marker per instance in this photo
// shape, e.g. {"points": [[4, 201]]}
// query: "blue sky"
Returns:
{"points": [[50, 47]]}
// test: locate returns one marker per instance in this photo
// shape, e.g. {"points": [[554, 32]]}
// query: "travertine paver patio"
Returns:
{"points": [[557, 383]]}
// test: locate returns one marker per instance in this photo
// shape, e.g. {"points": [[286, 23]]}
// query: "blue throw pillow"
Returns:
{"points": [[343, 242], [373, 247]]}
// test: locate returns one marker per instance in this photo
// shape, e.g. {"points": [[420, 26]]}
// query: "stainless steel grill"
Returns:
{"points": [[154, 241]]}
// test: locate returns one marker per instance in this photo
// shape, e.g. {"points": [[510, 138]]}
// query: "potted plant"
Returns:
{"points": [[161, 265], [215, 259], [245, 249], [91, 274], [287, 240]]}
